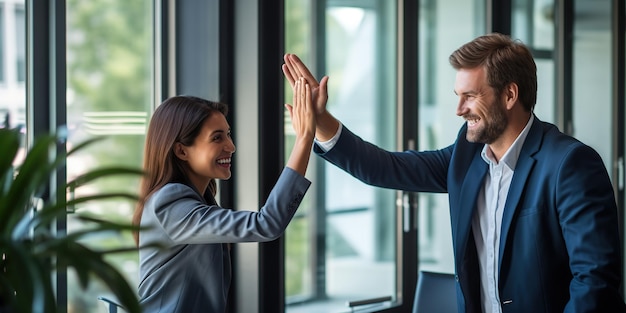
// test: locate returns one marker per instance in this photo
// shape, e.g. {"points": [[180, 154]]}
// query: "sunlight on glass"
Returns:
{"points": [[349, 18]]}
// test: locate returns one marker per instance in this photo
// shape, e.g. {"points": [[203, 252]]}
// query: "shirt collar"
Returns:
{"points": [[511, 155]]}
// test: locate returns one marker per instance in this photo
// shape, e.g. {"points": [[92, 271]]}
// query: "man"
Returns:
{"points": [[533, 214]]}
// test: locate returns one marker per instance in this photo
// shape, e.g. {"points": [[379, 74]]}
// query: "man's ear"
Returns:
{"points": [[180, 151], [511, 95]]}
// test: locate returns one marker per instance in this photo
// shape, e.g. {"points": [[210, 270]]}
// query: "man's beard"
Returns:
{"points": [[494, 124]]}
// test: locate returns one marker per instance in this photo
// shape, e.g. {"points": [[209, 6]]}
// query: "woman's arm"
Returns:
{"points": [[303, 120]]}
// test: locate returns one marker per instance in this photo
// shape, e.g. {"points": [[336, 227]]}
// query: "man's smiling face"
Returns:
{"points": [[483, 110]]}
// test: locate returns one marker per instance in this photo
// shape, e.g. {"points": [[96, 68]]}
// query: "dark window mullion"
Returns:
{"points": [[45, 95], [619, 116], [271, 146], [410, 128], [500, 16], [563, 64], [320, 216]]}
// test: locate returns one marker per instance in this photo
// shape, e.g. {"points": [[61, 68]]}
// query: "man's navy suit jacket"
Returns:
{"points": [[560, 244]]}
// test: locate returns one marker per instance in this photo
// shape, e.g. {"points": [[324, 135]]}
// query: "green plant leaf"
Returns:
{"points": [[10, 143], [29, 278], [30, 249], [83, 144], [31, 179], [50, 213], [101, 196], [102, 172], [107, 225], [84, 260]]}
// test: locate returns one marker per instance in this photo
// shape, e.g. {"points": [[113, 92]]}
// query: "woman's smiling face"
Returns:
{"points": [[209, 157]]}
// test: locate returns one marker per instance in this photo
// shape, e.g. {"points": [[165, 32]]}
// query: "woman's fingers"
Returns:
{"points": [[303, 87], [295, 110], [307, 97], [302, 110], [296, 93]]}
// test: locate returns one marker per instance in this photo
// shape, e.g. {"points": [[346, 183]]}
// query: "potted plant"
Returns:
{"points": [[30, 251]]}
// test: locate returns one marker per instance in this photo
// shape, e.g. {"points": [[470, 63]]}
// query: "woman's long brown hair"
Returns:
{"points": [[177, 119]]}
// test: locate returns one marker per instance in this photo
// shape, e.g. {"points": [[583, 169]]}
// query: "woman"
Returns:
{"points": [[189, 146]]}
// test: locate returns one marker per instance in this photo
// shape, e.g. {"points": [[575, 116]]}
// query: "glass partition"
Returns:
{"points": [[444, 27], [12, 67], [592, 73], [109, 94], [341, 246], [12, 64], [533, 24], [3, 29]]}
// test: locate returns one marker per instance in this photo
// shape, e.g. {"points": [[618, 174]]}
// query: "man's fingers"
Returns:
{"points": [[298, 69], [290, 64], [291, 69], [324, 86], [288, 75], [303, 71]]}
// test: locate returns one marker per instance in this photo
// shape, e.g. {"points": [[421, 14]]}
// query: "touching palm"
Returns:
{"points": [[293, 71]]}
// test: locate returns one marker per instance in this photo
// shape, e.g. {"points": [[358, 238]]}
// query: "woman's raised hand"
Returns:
{"points": [[293, 69], [301, 110], [303, 120]]}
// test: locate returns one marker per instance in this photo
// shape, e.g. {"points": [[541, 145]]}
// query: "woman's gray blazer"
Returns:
{"points": [[193, 272]]}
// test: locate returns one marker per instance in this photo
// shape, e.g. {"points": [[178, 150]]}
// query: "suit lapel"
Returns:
{"points": [[522, 171], [472, 183]]}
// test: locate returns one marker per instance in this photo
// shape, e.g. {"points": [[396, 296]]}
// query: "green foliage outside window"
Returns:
{"points": [[109, 81]]}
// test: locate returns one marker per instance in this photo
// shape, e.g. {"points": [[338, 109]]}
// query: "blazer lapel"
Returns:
{"points": [[524, 166], [472, 183]]}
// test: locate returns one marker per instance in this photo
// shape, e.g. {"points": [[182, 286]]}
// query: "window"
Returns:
{"points": [[533, 24], [12, 50], [109, 93], [444, 27], [20, 38], [593, 66], [2, 53], [345, 228]]}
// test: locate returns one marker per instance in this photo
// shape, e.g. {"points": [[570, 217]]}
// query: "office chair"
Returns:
{"points": [[435, 293], [112, 305]]}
